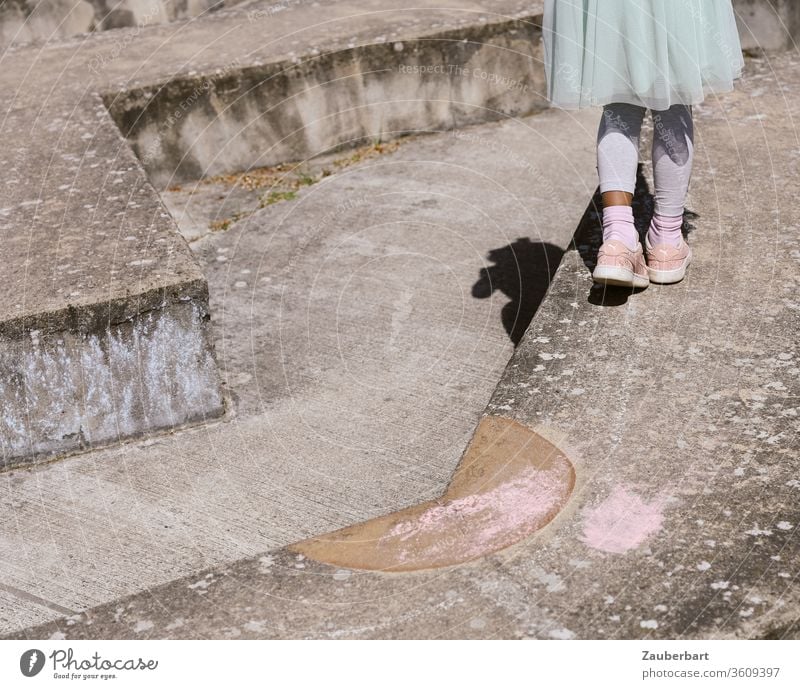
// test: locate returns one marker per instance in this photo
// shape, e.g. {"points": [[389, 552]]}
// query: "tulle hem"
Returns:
{"points": [[651, 102], [644, 52]]}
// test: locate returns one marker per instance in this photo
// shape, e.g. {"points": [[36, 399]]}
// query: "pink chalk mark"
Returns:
{"points": [[622, 522], [480, 523]]}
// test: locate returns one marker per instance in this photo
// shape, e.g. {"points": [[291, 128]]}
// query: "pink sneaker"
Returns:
{"points": [[618, 265], [667, 264]]}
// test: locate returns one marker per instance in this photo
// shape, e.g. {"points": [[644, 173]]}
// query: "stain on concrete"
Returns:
{"points": [[623, 521], [510, 483]]}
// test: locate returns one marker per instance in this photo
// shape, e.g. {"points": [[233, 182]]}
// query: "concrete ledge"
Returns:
{"points": [[241, 117], [103, 331]]}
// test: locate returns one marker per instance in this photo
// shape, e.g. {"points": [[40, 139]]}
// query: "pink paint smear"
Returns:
{"points": [[622, 522], [477, 524]]}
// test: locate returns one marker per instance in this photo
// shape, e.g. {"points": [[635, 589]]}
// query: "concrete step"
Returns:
{"points": [[254, 86], [766, 24], [103, 333], [677, 408], [360, 330], [103, 311]]}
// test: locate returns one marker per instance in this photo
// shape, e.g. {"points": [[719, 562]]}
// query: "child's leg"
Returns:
{"points": [[617, 163], [673, 154]]}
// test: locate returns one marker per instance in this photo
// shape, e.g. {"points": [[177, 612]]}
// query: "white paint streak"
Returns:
{"points": [[76, 389]]}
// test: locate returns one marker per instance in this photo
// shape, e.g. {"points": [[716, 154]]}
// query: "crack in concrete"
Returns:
{"points": [[32, 598]]}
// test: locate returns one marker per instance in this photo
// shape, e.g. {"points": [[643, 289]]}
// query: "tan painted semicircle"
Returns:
{"points": [[510, 483]]}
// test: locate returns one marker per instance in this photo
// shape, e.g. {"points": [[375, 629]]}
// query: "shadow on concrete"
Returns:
{"points": [[589, 236], [783, 632], [522, 271]]}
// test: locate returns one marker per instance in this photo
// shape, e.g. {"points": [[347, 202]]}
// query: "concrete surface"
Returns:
{"points": [[213, 204], [123, 304], [117, 62], [103, 311], [684, 517], [360, 330], [676, 405], [24, 21]]}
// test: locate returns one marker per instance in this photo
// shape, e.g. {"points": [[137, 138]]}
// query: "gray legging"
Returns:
{"points": [[673, 152]]}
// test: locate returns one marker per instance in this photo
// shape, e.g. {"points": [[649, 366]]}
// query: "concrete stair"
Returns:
{"points": [[103, 315], [103, 332]]}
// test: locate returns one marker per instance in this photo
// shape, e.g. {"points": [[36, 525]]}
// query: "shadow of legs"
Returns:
{"points": [[522, 271]]}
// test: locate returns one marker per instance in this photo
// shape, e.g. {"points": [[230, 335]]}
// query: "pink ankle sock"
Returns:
{"points": [[665, 230], [618, 224]]}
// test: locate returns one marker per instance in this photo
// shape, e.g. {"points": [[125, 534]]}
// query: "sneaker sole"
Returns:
{"points": [[618, 277]]}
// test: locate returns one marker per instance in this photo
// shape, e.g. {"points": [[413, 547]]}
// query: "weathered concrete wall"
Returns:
{"points": [[72, 389], [243, 117], [22, 21], [768, 24]]}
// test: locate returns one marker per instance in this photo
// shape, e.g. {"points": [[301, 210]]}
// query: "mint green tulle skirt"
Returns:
{"points": [[654, 53]]}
